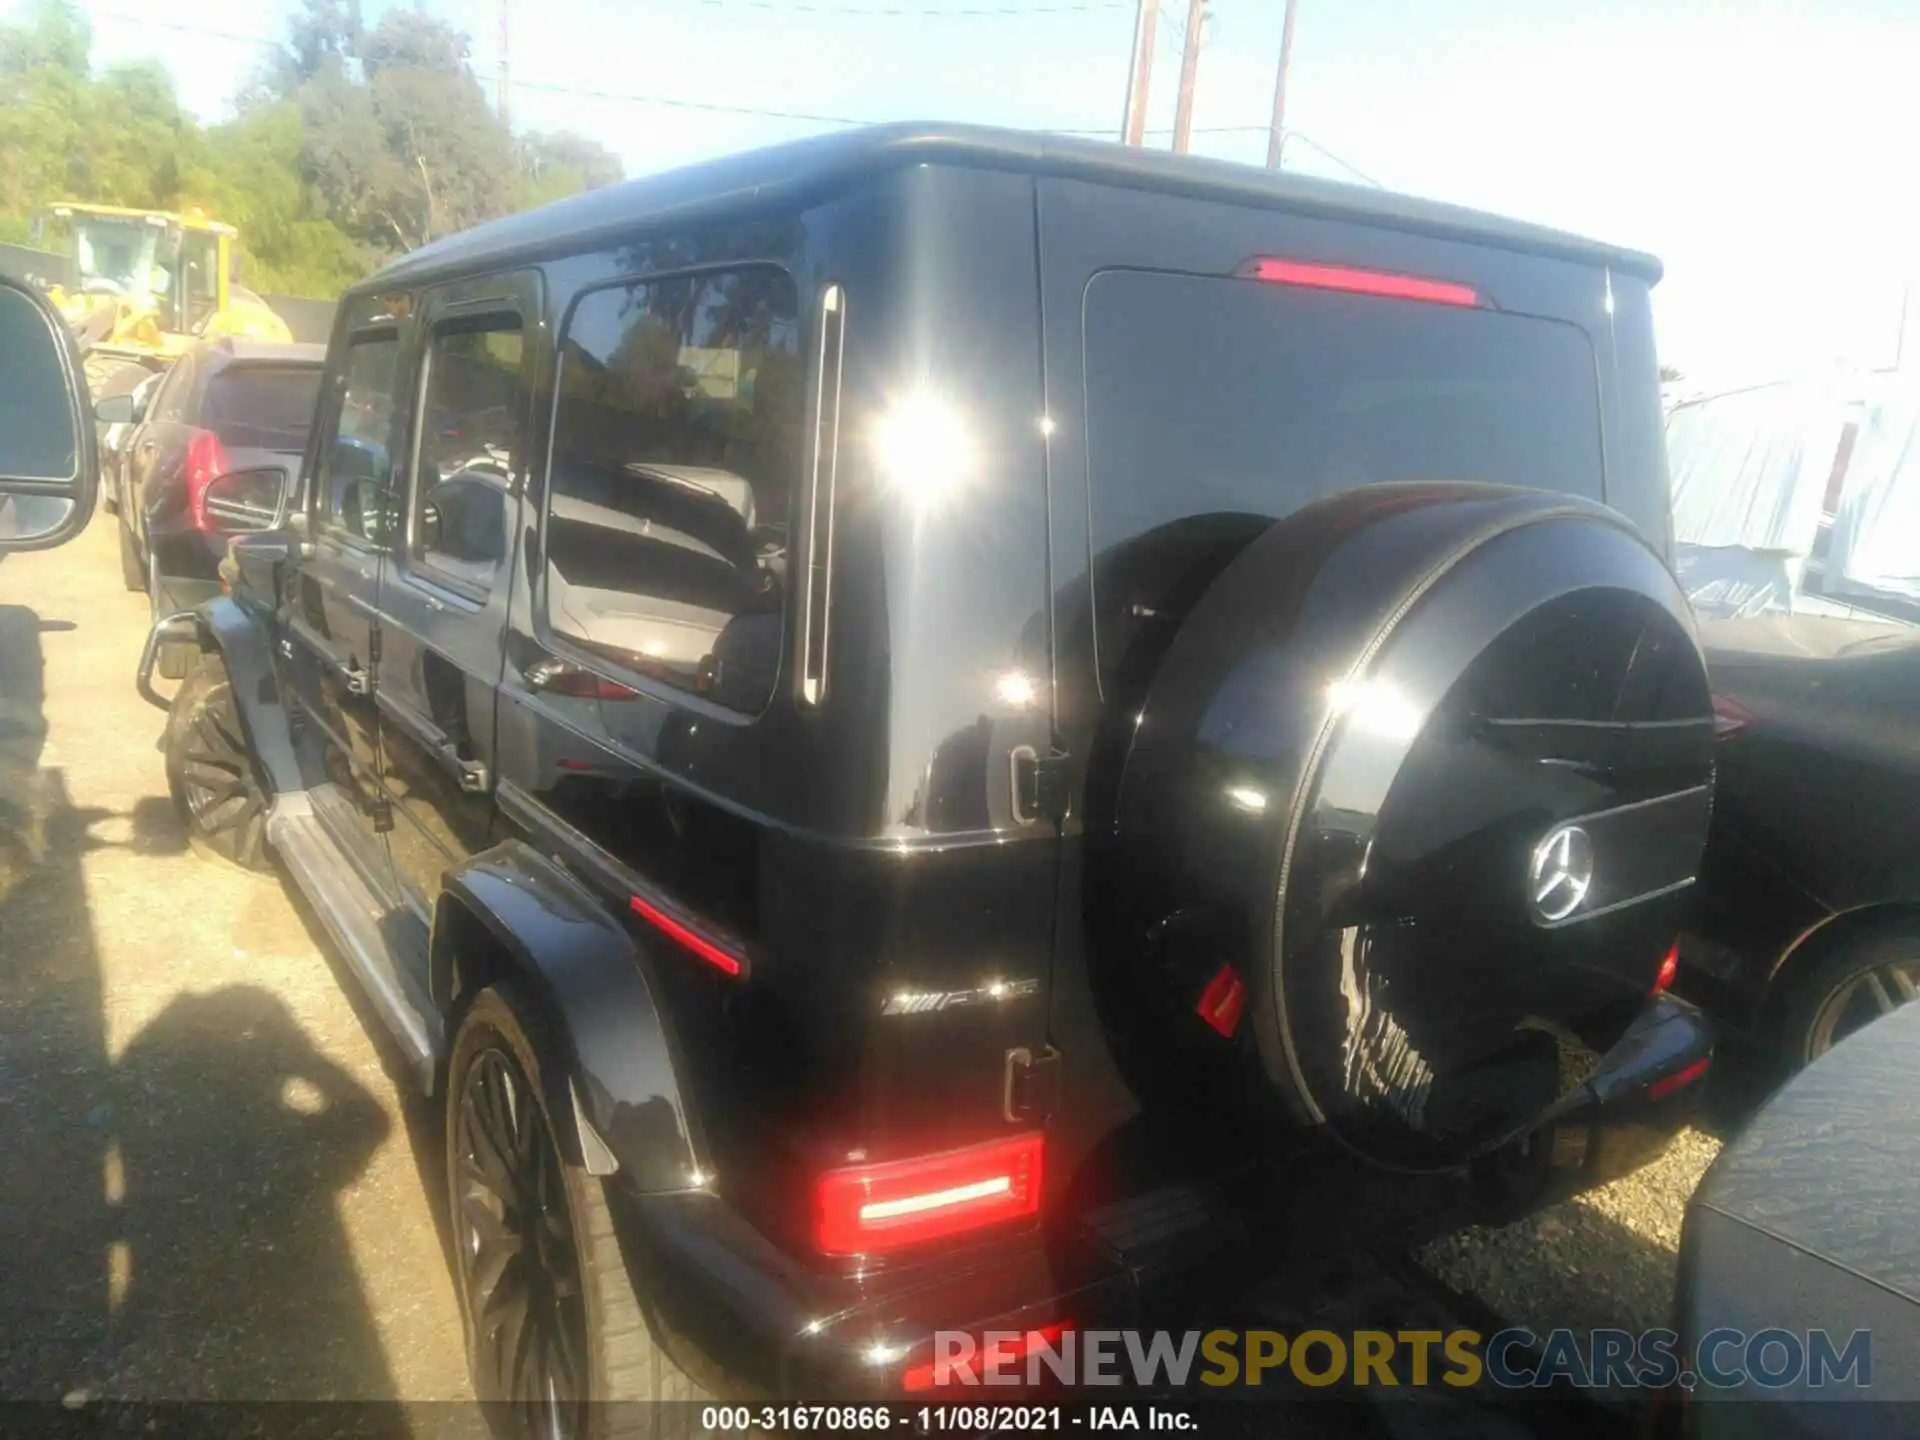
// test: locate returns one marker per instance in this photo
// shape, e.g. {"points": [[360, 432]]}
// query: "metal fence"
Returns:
{"points": [[308, 319]]}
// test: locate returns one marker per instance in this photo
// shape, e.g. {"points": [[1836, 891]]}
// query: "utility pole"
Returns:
{"points": [[1189, 67], [505, 9], [1133, 130], [1276, 133]]}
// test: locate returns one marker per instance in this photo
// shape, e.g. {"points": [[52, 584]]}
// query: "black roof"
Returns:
{"points": [[828, 162]]}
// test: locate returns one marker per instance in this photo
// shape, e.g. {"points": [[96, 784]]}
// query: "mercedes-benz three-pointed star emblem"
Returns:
{"points": [[1561, 874]]}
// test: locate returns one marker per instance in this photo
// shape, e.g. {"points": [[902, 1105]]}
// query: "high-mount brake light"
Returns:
{"points": [[1314, 276], [865, 1209]]}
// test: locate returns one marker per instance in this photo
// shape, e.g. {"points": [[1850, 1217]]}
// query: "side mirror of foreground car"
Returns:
{"points": [[49, 468], [117, 409], [241, 502]]}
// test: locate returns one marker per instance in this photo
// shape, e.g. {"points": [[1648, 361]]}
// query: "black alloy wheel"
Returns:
{"points": [[519, 1263], [216, 782]]}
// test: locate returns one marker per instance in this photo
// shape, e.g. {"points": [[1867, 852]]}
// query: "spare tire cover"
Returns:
{"points": [[1413, 804]]}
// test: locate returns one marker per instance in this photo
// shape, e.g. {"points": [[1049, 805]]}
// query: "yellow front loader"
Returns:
{"points": [[146, 284]]}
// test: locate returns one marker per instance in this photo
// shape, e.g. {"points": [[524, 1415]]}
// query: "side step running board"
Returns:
{"points": [[360, 923]]}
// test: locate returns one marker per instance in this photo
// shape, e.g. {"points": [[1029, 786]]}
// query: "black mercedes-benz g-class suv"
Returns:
{"points": [[936, 730]]}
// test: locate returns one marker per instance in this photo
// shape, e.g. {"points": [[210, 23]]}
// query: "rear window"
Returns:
{"points": [[1210, 396], [261, 408]]}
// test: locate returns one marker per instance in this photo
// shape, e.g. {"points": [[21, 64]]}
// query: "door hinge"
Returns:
{"points": [[1040, 785], [1032, 1084]]}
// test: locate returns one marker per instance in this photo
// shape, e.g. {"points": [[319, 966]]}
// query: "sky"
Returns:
{"points": [[1759, 147]]}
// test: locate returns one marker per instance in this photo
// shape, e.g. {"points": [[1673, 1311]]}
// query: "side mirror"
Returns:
{"points": [[429, 529], [117, 409], [243, 501], [49, 466]]}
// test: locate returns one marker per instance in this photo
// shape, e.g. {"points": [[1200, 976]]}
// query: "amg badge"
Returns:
{"points": [[919, 1002]]}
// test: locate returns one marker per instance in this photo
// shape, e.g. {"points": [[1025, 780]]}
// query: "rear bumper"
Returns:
{"points": [[186, 563], [745, 1317]]}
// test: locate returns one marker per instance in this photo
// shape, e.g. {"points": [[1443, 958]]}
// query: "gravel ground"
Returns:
{"points": [[213, 1188], [227, 1195], [1603, 1259]]}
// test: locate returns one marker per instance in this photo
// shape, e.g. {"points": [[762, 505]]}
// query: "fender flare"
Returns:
{"points": [[619, 1058], [246, 648]]}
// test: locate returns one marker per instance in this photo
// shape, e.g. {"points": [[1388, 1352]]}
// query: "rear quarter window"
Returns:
{"points": [[1224, 396], [261, 407]]}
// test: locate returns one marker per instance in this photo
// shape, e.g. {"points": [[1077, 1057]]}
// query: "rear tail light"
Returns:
{"points": [[1669, 969], [1730, 718], [1359, 282], [206, 458], [863, 1209]]}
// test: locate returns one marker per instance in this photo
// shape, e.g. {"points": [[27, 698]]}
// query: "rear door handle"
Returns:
{"points": [[357, 679], [472, 774]]}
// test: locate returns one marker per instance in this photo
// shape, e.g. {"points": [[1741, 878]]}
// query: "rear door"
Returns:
{"points": [[1202, 385], [443, 597], [329, 608]]}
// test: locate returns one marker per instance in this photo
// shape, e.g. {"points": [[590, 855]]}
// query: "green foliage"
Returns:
{"points": [[351, 146]]}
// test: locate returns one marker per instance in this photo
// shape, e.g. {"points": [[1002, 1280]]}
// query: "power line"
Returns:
{"points": [[912, 12], [675, 103], [185, 28], [678, 104]]}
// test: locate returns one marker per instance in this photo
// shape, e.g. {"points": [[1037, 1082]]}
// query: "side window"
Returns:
{"points": [[199, 278], [352, 479], [473, 412], [676, 448]]}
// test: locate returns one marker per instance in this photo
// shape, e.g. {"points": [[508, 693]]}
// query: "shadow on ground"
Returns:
{"points": [[168, 1224]]}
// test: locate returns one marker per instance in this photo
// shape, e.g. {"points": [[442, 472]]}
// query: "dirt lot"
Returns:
{"points": [[213, 1187]]}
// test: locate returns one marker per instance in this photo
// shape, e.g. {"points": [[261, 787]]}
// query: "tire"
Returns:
{"points": [[504, 1040], [219, 790], [133, 569], [1861, 980], [1340, 883]]}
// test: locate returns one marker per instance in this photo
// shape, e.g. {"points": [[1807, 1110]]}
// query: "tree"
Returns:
{"points": [[352, 145], [408, 149], [560, 163]]}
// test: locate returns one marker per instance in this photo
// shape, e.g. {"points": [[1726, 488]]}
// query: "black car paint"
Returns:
{"points": [[1399, 825], [868, 844], [1813, 795]]}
